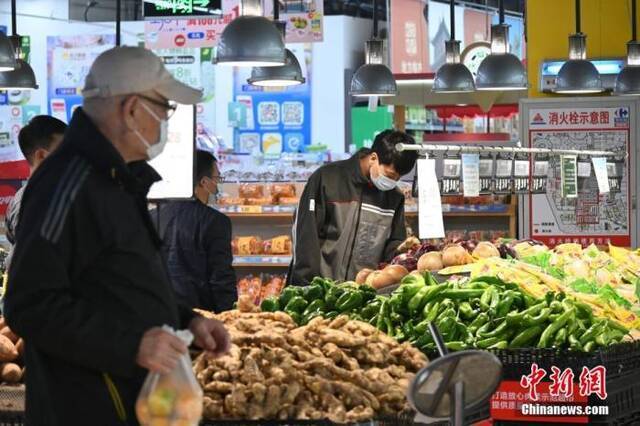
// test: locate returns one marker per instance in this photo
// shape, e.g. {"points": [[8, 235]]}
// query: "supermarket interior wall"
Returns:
{"points": [[607, 24], [342, 48]]}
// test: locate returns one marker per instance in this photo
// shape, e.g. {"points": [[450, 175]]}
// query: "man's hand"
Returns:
{"points": [[210, 335], [160, 351]]}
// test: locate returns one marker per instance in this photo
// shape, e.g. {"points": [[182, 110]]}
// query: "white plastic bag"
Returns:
{"points": [[173, 399]]}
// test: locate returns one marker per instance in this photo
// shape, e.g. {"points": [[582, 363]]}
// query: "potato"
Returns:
{"points": [[431, 261], [10, 373], [6, 331], [8, 351], [380, 279], [455, 255], [486, 249], [20, 348], [398, 272], [361, 278]]}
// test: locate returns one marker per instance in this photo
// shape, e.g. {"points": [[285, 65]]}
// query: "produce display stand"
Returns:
{"points": [[622, 363], [12, 405]]}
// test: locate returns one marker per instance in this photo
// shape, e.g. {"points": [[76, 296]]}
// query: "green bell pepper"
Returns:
{"points": [[331, 315], [287, 294], [332, 295], [298, 304], [270, 304], [371, 309], [350, 300], [315, 306], [314, 292]]}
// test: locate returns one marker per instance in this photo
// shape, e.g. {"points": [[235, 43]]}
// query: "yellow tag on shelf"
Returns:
{"points": [[250, 209]]}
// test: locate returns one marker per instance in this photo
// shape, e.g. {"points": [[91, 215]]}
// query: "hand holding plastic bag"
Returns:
{"points": [[173, 399]]}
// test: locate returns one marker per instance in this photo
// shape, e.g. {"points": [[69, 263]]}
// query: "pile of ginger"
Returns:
{"points": [[341, 370]]}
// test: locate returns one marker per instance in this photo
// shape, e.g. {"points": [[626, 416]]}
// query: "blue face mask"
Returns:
{"points": [[382, 182]]}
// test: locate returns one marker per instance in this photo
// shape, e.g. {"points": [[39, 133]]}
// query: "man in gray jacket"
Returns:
{"points": [[351, 214]]}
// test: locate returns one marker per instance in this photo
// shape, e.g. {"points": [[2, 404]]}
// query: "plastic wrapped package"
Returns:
{"points": [[173, 399], [251, 190]]}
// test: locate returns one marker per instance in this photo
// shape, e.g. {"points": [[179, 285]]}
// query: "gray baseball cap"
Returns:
{"points": [[127, 69]]}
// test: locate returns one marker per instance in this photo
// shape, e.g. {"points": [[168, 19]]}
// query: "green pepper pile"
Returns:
{"points": [[323, 297], [483, 313]]}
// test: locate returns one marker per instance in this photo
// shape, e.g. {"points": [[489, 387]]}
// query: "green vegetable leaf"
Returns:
{"points": [[542, 260], [609, 294], [584, 286], [638, 288]]}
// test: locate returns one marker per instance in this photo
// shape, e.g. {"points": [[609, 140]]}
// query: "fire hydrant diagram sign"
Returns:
{"points": [[561, 215]]}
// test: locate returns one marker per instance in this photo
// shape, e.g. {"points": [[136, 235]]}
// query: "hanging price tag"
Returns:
{"points": [[430, 220], [471, 175], [584, 169], [373, 103], [600, 169], [569, 176]]}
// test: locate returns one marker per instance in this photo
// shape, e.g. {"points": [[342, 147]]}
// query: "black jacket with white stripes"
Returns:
{"points": [[344, 223], [87, 280]]}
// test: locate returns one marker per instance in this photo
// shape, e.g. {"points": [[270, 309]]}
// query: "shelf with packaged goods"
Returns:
{"points": [[261, 261], [458, 211]]}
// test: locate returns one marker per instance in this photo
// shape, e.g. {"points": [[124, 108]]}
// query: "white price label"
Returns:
{"points": [[373, 103], [602, 175], [471, 175], [584, 169], [521, 168], [503, 168], [430, 220]]}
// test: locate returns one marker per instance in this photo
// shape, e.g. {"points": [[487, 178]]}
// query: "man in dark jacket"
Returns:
{"points": [[351, 215], [88, 289], [197, 243]]}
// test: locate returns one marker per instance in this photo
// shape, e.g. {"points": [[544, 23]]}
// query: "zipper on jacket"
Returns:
{"points": [[355, 236], [115, 397]]}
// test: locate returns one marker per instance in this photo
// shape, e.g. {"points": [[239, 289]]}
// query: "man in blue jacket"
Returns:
{"points": [[197, 243]]}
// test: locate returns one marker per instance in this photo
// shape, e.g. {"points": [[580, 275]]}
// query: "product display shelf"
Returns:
{"points": [[260, 261]]}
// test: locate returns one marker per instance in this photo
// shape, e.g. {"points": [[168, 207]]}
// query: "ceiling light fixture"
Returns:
{"points": [[453, 76], [628, 81], [251, 40], [501, 70], [22, 76], [290, 74], [374, 78], [578, 75]]}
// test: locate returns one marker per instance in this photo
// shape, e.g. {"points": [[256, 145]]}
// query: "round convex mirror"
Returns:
{"points": [[431, 391]]}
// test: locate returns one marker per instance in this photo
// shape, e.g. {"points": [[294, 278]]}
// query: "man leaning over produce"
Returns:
{"points": [[89, 290], [351, 213]]}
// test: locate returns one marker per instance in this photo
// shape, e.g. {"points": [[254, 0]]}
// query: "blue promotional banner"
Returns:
{"points": [[272, 120], [69, 59]]}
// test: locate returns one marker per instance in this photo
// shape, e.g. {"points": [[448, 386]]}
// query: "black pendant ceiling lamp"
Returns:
{"points": [[374, 78], [501, 70], [251, 40], [628, 81], [22, 76], [453, 76], [578, 75], [289, 74]]}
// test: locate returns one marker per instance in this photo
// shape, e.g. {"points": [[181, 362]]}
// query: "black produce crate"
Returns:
{"points": [[11, 418]]}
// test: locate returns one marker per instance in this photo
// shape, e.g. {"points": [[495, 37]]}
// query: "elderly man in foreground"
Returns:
{"points": [[88, 288]]}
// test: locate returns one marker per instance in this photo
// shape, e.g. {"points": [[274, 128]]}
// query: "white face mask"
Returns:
{"points": [[382, 182], [156, 149], [213, 196]]}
